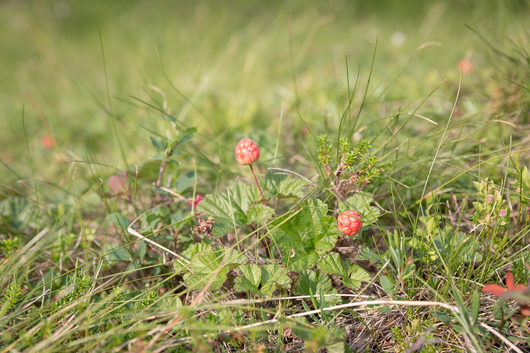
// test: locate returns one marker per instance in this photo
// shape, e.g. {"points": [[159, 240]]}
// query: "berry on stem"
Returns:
{"points": [[349, 222], [247, 152]]}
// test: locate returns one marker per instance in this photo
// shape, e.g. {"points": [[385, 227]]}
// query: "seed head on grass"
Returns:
{"points": [[349, 222]]}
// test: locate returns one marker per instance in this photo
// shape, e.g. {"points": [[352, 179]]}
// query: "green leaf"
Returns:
{"points": [[268, 277], [118, 219], [332, 264], [441, 316], [115, 253], [207, 263], [195, 249], [311, 283], [367, 254], [249, 280], [158, 143], [301, 261], [333, 340], [204, 267], [360, 202], [243, 284], [279, 184], [252, 273], [310, 230], [184, 136], [259, 214], [271, 276], [184, 181], [187, 134], [384, 310], [357, 275], [352, 276], [230, 208], [232, 256], [387, 284]]}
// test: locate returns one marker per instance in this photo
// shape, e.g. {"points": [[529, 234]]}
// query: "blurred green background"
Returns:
{"points": [[84, 64]]}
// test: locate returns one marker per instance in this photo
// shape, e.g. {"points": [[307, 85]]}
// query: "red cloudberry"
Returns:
{"points": [[247, 152], [349, 222]]}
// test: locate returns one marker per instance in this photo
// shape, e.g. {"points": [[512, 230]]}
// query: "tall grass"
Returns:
{"points": [[114, 83]]}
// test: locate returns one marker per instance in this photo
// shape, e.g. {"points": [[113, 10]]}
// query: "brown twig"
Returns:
{"points": [[163, 165]]}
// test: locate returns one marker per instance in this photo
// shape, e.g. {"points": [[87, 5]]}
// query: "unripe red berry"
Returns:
{"points": [[247, 152], [349, 222]]}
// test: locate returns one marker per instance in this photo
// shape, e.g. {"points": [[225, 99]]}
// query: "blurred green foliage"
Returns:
{"points": [[236, 62]]}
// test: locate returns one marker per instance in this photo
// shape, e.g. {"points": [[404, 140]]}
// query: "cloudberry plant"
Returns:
{"points": [[247, 152]]}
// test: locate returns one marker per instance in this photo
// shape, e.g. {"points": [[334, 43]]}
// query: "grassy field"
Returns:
{"points": [[116, 115]]}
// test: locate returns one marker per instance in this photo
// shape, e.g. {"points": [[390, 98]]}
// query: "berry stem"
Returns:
{"points": [[257, 183]]}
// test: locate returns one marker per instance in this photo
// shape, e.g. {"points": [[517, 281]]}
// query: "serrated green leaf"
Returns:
{"points": [[207, 262], [243, 284], [252, 272], [222, 227], [262, 280], [367, 254], [333, 264], [249, 280], [280, 184], [204, 267], [311, 283], [357, 275], [230, 208], [232, 256], [301, 260], [271, 276], [259, 214], [310, 230], [360, 202], [194, 249]]}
